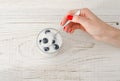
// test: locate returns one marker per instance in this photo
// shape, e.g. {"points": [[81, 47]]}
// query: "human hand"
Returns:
{"points": [[90, 23]]}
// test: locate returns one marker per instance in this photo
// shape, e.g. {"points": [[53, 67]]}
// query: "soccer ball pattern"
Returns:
{"points": [[48, 41]]}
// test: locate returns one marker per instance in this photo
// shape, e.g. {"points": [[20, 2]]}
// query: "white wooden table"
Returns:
{"points": [[80, 59]]}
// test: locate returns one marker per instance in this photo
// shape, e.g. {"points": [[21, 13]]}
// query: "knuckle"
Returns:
{"points": [[71, 12], [85, 10]]}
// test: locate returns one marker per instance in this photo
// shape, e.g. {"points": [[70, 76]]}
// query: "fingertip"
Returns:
{"points": [[65, 29], [71, 31], [61, 23]]}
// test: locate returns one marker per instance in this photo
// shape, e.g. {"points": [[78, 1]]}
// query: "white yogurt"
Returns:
{"points": [[48, 41]]}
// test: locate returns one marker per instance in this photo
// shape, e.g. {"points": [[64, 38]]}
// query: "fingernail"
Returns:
{"points": [[64, 27], [69, 17]]}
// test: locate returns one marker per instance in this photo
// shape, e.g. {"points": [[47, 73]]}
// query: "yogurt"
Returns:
{"points": [[49, 41]]}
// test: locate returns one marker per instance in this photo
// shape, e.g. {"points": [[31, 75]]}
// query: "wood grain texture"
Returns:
{"points": [[81, 59]]}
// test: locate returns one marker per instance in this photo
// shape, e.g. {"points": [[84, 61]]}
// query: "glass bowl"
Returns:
{"points": [[49, 41]]}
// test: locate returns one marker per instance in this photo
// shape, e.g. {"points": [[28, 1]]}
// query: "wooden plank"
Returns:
{"points": [[82, 59]]}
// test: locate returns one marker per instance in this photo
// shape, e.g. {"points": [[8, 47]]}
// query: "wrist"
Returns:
{"points": [[111, 35]]}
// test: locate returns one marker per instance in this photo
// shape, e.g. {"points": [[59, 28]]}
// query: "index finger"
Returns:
{"points": [[64, 20]]}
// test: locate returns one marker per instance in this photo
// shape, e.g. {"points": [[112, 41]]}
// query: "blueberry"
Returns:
{"points": [[117, 23], [46, 48], [40, 41], [56, 46], [47, 31], [45, 40], [53, 41]]}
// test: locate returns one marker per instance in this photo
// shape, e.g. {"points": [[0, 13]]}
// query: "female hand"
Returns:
{"points": [[90, 23]]}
